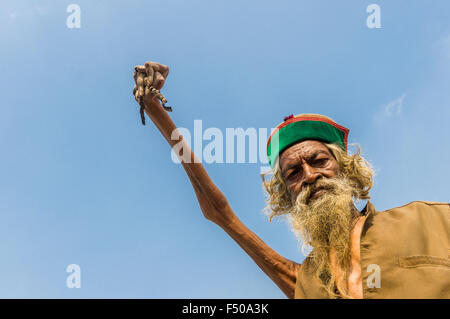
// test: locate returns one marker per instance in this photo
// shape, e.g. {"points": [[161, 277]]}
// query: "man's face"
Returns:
{"points": [[304, 163]]}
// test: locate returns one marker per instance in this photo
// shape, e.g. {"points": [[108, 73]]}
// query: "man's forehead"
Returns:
{"points": [[303, 149]]}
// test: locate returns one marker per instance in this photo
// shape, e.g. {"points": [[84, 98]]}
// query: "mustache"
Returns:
{"points": [[330, 185]]}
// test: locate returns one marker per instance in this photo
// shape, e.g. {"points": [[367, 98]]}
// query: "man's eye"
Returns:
{"points": [[320, 161], [292, 174]]}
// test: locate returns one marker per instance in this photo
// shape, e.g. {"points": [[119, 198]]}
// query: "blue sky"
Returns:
{"points": [[83, 182]]}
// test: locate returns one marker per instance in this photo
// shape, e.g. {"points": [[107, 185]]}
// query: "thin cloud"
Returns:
{"points": [[394, 107]]}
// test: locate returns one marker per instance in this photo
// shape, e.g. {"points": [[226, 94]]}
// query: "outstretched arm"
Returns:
{"points": [[213, 203]]}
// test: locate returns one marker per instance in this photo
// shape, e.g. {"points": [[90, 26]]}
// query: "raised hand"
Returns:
{"points": [[150, 79]]}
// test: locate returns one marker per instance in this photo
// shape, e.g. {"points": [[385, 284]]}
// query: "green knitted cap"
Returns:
{"points": [[302, 127]]}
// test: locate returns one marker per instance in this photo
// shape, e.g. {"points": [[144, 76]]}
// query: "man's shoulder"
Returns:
{"points": [[418, 208], [420, 204], [419, 219]]}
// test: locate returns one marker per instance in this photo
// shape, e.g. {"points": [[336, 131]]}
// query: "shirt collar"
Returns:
{"points": [[368, 209]]}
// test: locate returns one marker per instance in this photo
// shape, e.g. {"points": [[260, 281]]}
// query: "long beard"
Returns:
{"points": [[325, 223]]}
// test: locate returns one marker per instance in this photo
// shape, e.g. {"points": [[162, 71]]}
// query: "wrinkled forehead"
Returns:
{"points": [[302, 150]]}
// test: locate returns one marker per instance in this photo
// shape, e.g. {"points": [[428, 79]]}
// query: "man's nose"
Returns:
{"points": [[310, 174]]}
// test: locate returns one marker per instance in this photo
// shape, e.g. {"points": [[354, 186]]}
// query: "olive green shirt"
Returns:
{"points": [[405, 253]]}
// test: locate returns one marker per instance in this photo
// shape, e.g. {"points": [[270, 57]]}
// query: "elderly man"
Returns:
{"points": [[399, 253]]}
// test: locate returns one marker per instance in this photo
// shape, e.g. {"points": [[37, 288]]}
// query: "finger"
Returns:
{"points": [[150, 69], [140, 79], [140, 84], [161, 68], [135, 74], [148, 81], [136, 93], [139, 73], [150, 72], [158, 81], [163, 100], [139, 68], [164, 70], [154, 65]]}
